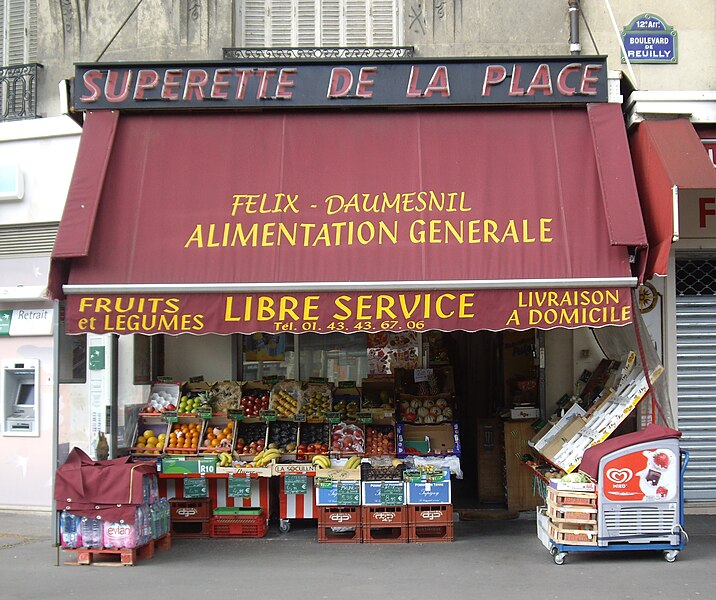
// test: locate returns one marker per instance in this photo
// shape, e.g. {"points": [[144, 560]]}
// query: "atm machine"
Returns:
{"points": [[20, 395]]}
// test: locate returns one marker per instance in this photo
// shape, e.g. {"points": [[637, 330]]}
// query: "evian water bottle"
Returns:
{"points": [[118, 535]]}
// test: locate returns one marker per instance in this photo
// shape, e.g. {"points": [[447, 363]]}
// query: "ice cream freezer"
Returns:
{"points": [[640, 494]]}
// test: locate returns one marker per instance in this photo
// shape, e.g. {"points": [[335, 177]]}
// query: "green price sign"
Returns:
{"points": [[170, 416], [333, 417], [205, 412], [240, 487], [235, 414], [392, 494], [295, 483], [348, 493], [299, 418], [269, 415], [366, 417], [196, 488], [323, 482]]}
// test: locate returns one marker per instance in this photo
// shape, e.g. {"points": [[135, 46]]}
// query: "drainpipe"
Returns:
{"points": [[574, 46]]}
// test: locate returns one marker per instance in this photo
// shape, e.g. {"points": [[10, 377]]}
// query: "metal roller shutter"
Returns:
{"points": [[696, 373]]}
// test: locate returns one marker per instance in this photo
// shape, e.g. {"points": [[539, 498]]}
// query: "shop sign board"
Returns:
{"points": [[648, 39], [697, 214], [293, 84], [26, 322], [468, 310]]}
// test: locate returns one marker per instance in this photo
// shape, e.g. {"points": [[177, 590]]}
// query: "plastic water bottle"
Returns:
{"points": [[154, 495], [119, 535], [166, 515], [70, 535], [146, 489], [91, 530], [147, 528], [154, 512]]}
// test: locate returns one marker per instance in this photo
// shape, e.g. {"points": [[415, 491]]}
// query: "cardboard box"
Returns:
{"points": [[371, 492], [437, 492], [524, 412], [443, 438], [543, 527], [178, 464], [574, 411], [563, 437]]}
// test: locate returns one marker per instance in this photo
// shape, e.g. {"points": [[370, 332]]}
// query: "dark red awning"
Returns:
{"points": [[352, 221], [668, 156]]}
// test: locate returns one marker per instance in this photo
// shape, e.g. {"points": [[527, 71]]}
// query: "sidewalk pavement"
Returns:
{"points": [[500, 560]]}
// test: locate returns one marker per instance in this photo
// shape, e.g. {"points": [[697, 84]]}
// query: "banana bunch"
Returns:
{"points": [[353, 462], [321, 461], [225, 459], [266, 456]]}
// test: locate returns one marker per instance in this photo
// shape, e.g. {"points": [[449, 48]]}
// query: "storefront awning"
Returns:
{"points": [[349, 221], [668, 158]]}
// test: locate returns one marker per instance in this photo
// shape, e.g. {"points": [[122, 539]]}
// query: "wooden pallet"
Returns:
{"points": [[118, 557]]}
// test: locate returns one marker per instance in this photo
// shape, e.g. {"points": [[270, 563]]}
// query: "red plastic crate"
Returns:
{"points": [[327, 534], [190, 509], [339, 516], [385, 516], [385, 535], [430, 514], [432, 533], [190, 529], [246, 526]]}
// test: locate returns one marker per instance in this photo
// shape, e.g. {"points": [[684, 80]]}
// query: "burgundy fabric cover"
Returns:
{"points": [[87, 482], [591, 458]]}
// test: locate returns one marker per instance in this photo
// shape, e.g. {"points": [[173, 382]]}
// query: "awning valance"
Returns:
{"points": [[668, 157], [303, 221]]}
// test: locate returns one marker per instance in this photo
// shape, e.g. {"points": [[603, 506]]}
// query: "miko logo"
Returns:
{"points": [[620, 477], [431, 515], [339, 518], [187, 512]]}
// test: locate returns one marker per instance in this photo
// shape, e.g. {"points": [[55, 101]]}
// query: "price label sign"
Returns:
{"points": [[333, 417], [392, 495], [300, 418], [170, 416], [240, 487], [205, 412], [295, 483], [323, 482], [236, 414], [268, 415], [348, 493], [365, 417], [196, 487]]}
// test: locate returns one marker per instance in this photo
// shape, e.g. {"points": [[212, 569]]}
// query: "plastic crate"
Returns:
{"points": [[328, 534], [190, 509], [430, 514], [432, 533], [339, 516], [385, 535], [385, 516], [244, 526], [237, 510], [190, 529]]}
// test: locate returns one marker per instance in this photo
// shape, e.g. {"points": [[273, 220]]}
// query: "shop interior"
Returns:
{"points": [[494, 379]]}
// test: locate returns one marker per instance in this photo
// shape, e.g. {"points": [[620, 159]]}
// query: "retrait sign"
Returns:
{"points": [[300, 84]]}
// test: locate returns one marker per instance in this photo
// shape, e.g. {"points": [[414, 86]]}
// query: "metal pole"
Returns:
{"points": [[55, 421], [574, 46]]}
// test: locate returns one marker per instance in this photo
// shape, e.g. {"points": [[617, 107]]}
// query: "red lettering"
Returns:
{"points": [[220, 85], [340, 82], [439, 83], [244, 75], [364, 81], [515, 89], [110, 86], [562, 86], [147, 79], [588, 79], [284, 83], [542, 81], [705, 212], [494, 75], [172, 83], [196, 79], [89, 80], [413, 91], [265, 75]]}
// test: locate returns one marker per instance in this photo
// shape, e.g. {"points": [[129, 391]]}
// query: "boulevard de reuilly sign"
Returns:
{"points": [[421, 83]]}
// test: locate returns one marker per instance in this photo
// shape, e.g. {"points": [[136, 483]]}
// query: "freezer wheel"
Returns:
{"points": [[284, 525], [670, 555], [559, 557]]}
